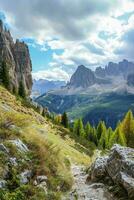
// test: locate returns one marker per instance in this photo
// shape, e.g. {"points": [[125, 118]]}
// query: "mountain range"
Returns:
{"points": [[42, 86], [104, 94]]}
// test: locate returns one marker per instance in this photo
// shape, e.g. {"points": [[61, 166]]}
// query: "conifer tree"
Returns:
{"points": [[4, 75], [94, 136], [103, 142], [21, 90], [109, 133], [127, 127], [100, 129], [64, 120], [88, 130], [117, 137], [78, 128]]}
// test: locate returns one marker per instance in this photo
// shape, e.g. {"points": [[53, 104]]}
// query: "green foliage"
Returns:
{"points": [[4, 75], [64, 120], [127, 127], [78, 128], [100, 129], [21, 90], [117, 137]]}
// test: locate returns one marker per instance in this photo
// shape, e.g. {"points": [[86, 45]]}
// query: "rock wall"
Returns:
{"points": [[16, 55], [115, 169]]}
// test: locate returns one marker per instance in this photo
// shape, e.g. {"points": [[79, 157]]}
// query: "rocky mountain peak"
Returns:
{"points": [[17, 57], [83, 77]]}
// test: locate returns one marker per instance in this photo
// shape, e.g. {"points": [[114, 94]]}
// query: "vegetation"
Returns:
{"points": [[21, 90], [101, 136], [64, 120], [50, 150], [4, 75]]}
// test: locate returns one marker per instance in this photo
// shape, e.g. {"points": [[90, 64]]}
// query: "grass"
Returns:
{"points": [[51, 150]]}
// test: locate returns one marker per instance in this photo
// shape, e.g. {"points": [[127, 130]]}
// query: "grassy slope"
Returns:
{"points": [[42, 126], [50, 149]]}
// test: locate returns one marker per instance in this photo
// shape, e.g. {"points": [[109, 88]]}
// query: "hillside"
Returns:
{"points": [[35, 154]]}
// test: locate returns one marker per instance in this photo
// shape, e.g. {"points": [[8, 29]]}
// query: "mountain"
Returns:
{"points": [[42, 86], [123, 68], [83, 77], [17, 57], [104, 94]]}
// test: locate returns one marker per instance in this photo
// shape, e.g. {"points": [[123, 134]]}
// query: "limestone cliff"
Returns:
{"points": [[16, 55]]}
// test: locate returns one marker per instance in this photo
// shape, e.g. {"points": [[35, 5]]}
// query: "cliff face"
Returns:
{"points": [[16, 55]]}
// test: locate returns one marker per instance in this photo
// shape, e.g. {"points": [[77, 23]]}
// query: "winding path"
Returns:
{"points": [[83, 191]]}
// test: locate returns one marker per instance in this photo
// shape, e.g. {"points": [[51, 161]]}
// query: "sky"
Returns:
{"points": [[62, 34]]}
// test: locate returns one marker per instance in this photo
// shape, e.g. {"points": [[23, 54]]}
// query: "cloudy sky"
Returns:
{"points": [[63, 34]]}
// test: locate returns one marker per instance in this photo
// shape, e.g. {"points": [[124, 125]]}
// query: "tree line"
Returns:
{"points": [[101, 136]]}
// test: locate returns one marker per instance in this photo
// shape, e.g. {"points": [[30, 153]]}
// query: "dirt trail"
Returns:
{"points": [[83, 191]]}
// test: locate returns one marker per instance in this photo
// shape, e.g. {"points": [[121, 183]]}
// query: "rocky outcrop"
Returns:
{"points": [[17, 57], [117, 168]]}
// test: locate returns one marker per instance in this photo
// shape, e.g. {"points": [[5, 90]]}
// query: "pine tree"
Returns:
{"points": [[100, 128], [127, 127], [94, 136], [64, 120], [117, 137], [78, 128], [4, 75], [88, 130], [109, 135], [21, 90], [103, 142]]}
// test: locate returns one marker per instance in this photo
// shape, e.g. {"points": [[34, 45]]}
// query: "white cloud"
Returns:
{"points": [[51, 74], [75, 27]]}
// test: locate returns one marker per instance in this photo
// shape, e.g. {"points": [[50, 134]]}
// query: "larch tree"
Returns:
{"points": [[127, 127], [117, 137]]}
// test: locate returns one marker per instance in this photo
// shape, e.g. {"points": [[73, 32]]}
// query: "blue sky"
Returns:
{"points": [[68, 33]]}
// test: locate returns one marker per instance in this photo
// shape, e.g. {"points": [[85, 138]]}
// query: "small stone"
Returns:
{"points": [[25, 176], [41, 178], [2, 184], [3, 148]]}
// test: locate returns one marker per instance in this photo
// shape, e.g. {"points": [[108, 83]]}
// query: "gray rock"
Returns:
{"points": [[3, 148], [20, 145], [13, 161], [43, 185], [2, 184], [118, 166], [18, 58], [41, 179], [98, 169], [25, 176]]}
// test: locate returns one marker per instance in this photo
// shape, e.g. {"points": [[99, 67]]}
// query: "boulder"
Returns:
{"points": [[2, 184], [118, 166], [98, 169], [25, 176]]}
